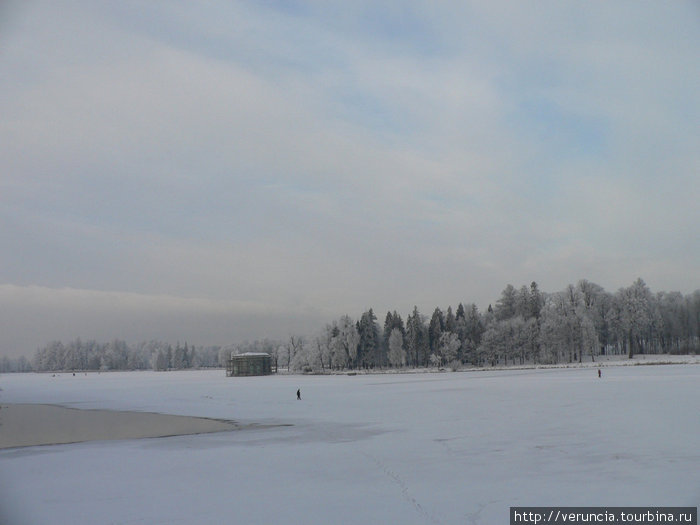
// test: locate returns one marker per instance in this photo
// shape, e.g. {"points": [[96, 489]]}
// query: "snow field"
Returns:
{"points": [[404, 448]]}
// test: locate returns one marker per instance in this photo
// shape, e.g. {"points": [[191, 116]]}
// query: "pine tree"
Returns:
{"points": [[450, 321], [187, 358], [416, 341], [435, 329], [460, 312], [536, 300], [473, 331], [370, 352], [386, 333], [506, 305]]}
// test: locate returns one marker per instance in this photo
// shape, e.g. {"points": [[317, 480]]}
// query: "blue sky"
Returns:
{"points": [[235, 170]]}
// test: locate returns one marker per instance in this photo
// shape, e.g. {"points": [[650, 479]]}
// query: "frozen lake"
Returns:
{"points": [[406, 448]]}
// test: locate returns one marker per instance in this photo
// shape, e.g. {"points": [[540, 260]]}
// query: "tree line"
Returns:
{"points": [[525, 325], [119, 355]]}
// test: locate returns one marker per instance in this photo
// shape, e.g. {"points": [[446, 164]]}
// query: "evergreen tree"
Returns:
{"points": [[393, 320], [416, 342], [450, 321], [388, 327], [506, 305], [536, 301], [522, 302], [186, 357], [460, 312], [369, 351], [178, 357], [435, 329], [473, 330]]}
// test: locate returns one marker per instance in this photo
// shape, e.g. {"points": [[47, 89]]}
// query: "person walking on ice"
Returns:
{"points": [[299, 394], [599, 372]]}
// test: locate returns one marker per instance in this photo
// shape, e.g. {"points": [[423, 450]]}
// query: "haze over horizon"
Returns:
{"points": [[244, 170]]}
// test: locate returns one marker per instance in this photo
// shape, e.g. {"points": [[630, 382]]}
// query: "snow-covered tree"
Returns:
{"points": [[567, 329], [635, 315], [324, 346], [416, 340], [179, 357], [435, 329], [492, 345], [391, 321], [369, 349], [449, 347], [160, 362], [346, 342], [470, 328], [303, 356], [397, 354], [506, 305], [294, 345]]}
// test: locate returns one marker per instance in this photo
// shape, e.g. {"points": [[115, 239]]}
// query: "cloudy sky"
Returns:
{"points": [[226, 170]]}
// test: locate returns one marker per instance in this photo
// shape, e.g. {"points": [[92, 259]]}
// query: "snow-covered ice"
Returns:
{"points": [[400, 448]]}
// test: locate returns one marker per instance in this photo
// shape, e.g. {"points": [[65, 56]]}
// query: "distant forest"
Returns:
{"points": [[525, 325]]}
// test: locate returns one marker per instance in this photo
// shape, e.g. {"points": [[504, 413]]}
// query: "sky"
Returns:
{"points": [[222, 171]]}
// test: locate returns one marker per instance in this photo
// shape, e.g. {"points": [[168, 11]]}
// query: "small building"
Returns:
{"points": [[249, 364]]}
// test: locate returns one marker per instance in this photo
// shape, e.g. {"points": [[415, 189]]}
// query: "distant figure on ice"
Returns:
{"points": [[299, 394], [599, 372]]}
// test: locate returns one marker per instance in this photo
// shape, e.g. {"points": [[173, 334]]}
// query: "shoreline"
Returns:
{"points": [[601, 361], [29, 425]]}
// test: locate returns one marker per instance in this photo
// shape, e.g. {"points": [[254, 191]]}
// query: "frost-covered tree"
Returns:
{"points": [[391, 321], [674, 321], [450, 321], [435, 329], [507, 339], [515, 338], [169, 356], [304, 357], [346, 342], [596, 302], [416, 341], [506, 305], [187, 356], [470, 328], [492, 345], [397, 354], [522, 302], [369, 349], [536, 301], [635, 315], [567, 329], [160, 361], [324, 342], [179, 357], [449, 347], [19, 364], [294, 345]]}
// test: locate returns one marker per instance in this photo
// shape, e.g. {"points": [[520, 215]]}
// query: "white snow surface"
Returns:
{"points": [[402, 448]]}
